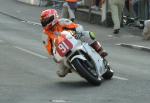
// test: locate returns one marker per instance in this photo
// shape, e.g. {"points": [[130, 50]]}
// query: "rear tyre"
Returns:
{"points": [[109, 73], [86, 70]]}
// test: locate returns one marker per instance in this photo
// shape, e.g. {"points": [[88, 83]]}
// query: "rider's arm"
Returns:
{"points": [[67, 24], [47, 43]]}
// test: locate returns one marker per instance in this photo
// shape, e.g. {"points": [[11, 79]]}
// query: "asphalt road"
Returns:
{"points": [[27, 74]]}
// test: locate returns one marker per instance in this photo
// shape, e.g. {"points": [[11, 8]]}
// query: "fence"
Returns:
{"points": [[140, 9], [144, 9]]}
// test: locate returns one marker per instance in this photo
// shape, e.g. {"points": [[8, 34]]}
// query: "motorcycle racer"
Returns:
{"points": [[52, 28]]}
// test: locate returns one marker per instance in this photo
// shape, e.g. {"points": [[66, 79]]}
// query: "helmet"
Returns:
{"points": [[49, 18]]}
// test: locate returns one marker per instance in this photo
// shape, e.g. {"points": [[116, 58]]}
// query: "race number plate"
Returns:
{"points": [[63, 47]]}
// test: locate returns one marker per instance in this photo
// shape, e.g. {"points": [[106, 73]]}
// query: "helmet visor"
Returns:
{"points": [[45, 22]]}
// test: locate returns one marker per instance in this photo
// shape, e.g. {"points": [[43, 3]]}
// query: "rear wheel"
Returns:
{"points": [[109, 72], [87, 70]]}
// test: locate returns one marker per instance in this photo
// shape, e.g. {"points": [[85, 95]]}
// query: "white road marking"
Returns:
{"points": [[33, 23], [120, 78], [139, 47], [30, 52], [59, 101], [135, 46]]}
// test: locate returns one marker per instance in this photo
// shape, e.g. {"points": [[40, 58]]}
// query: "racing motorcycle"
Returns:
{"points": [[81, 58]]}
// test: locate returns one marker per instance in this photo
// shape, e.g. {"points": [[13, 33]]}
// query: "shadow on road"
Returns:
{"points": [[78, 84]]}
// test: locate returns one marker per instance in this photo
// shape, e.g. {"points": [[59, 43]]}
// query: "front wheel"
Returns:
{"points": [[87, 71]]}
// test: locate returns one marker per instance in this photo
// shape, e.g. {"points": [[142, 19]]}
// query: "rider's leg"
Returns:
{"points": [[89, 37], [98, 48], [63, 70]]}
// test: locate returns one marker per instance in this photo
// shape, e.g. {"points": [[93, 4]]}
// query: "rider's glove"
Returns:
{"points": [[92, 35]]}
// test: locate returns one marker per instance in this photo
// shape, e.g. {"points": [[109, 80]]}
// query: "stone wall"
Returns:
{"points": [[44, 2], [35, 2]]}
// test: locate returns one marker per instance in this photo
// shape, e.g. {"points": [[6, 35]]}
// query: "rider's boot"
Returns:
{"points": [[63, 71], [98, 48]]}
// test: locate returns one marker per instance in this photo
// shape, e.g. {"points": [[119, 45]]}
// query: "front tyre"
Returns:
{"points": [[86, 70]]}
